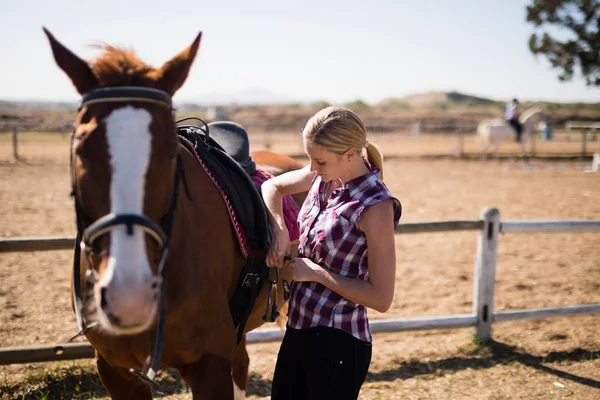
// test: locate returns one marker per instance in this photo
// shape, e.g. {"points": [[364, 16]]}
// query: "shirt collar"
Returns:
{"points": [[359, 183]]}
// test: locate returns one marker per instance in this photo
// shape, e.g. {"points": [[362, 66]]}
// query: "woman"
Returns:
{"points": [[346, 259]]}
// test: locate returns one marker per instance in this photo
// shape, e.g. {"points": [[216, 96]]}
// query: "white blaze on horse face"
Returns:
{"points": [[128, 281]]}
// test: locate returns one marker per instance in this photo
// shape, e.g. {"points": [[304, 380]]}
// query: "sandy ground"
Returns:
{"points": [[541, 359]]}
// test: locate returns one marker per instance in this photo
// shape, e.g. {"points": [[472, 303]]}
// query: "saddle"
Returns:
{"points": [[247, 207]]}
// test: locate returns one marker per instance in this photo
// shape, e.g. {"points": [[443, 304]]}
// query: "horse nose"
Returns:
{"points": [[130, 307]]}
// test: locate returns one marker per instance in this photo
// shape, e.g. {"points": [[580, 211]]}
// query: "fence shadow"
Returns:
{"points": [[537, 362], [498, 353], [83, 383], [495, 353]]}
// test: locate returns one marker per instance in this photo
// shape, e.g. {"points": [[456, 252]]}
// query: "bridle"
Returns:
{"points": [[159, 232]]}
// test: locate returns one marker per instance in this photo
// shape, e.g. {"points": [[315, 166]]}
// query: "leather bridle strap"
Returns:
{"points": [[108, 222], [126, 94]]}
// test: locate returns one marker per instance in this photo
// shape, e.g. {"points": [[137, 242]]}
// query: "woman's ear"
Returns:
{"points": [[349, 154]]}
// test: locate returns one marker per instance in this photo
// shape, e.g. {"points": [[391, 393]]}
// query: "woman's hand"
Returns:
{"points": [[378, 291], [273, 190], [304, 270], [280, 247]]}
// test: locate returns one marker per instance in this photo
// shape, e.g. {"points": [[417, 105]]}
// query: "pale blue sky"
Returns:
{"points": [[301, 50]]}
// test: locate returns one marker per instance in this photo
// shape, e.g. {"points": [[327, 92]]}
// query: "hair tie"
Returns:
{"points": [[367, 144]]}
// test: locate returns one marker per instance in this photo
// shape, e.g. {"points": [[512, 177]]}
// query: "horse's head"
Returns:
{"points": [[124, 162]]}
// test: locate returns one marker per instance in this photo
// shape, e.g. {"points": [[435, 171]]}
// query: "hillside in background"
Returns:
{"points": [[437, 99]]}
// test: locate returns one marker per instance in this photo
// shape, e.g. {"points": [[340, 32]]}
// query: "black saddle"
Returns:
{"points": [[246, 201]]}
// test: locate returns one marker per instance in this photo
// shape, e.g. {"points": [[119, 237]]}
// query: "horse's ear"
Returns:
{"points": [[174, 72], [76, 69]]}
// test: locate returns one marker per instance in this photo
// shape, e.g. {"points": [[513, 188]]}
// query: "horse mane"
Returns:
{"points": [[122, 67], [529, 112]]}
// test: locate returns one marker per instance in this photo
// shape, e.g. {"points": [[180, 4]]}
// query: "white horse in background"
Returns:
{"points": [[495, 131]]}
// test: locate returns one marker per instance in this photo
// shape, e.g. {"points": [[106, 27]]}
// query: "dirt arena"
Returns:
{"points": [[555, 358]]}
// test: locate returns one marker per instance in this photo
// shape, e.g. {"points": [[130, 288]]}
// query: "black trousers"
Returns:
{"points": [[517, 126], [320, 363]]}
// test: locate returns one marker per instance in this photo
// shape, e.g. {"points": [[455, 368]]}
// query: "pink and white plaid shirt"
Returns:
{"points": [[330, 236]]}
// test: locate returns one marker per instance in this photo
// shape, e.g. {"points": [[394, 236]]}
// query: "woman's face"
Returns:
{"points": [[328, 165]]}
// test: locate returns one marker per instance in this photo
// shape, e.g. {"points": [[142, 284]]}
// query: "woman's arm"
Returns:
{"points": [[273, 191], [378, 291]]}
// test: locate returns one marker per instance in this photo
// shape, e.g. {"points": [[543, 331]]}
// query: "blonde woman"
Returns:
{"points": [[346, 258]]}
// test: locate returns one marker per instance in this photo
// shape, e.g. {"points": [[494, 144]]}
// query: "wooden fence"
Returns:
{"points": [[585, 128], [460, 130], [482, 316]]}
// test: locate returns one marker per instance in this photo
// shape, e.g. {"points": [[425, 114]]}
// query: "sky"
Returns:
{"points": [[297, 51]]}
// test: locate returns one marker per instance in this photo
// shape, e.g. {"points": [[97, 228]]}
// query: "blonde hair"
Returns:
{"points": [[339, 129]]}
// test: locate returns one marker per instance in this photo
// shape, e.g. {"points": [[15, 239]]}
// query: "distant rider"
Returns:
{"points": [[512, 117]]}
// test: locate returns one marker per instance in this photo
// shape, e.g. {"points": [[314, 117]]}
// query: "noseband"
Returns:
{"points": [[160, 232]]}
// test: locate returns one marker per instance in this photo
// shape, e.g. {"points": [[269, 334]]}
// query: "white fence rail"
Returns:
{"points": [[550, 226], [585, 127], [482, 317], [592, 125]]}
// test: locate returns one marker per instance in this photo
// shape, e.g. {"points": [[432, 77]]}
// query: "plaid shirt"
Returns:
{"points": [[330, 236]]}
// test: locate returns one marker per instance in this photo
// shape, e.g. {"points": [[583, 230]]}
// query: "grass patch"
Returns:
{"points": [[75, 380]]}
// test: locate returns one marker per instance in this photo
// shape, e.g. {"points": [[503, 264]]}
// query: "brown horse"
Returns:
{"points": [[277, 164], [158, 252]]}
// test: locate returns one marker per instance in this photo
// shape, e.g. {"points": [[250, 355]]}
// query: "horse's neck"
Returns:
{"points": [[201, 213], [530, 120]]}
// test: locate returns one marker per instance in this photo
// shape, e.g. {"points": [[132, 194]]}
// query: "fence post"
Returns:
{"points": [[15, 141], [485, 273], [583, 142]]}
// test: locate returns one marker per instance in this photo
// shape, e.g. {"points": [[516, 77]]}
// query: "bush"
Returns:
{"points": [[356, 104]]}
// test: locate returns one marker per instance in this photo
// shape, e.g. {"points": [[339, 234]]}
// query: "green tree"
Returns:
{"points": [[356, 104], [575, 44]]}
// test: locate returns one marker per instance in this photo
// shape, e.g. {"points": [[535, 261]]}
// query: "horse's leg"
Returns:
{"points": [[524, 137], [495, 147], [239, 371], [486, 144], [120, 383], [209, 377]]}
